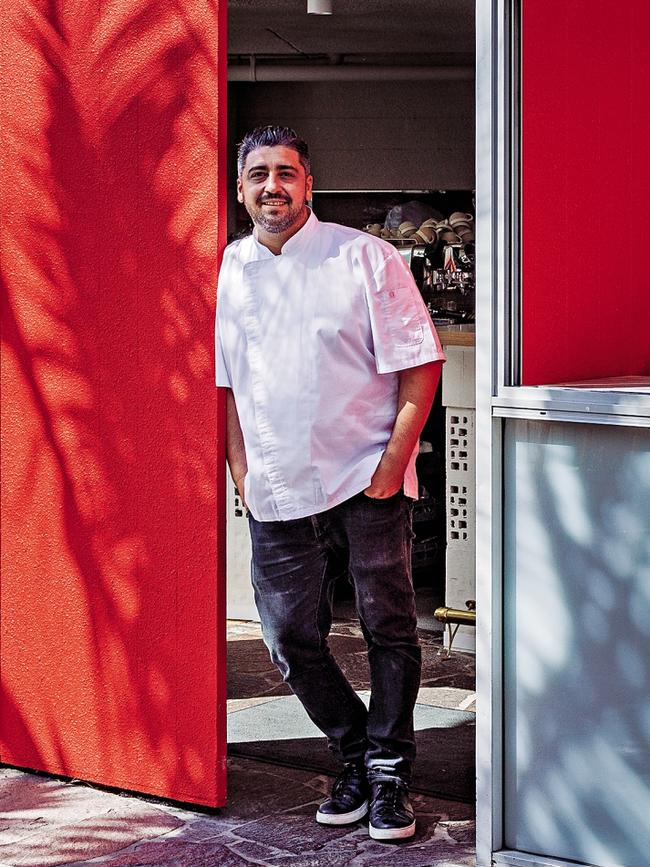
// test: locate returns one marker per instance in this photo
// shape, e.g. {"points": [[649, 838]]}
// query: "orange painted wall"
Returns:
{"points": [[585, 189], [113, 197]]}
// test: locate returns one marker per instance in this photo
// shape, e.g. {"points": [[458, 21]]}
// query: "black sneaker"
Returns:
{"points": [[348, 801], [391, 813]]}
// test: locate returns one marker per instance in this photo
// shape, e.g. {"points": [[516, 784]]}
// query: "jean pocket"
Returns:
{"points": [[386, 500]]}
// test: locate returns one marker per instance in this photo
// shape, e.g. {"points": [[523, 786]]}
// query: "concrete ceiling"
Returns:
{"points": [[408, 31]]}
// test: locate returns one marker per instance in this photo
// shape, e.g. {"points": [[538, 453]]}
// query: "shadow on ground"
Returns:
{"points": [[269, 821]]}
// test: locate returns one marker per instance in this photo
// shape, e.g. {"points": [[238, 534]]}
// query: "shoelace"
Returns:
{"points": [[391, 789], [346, 776]]}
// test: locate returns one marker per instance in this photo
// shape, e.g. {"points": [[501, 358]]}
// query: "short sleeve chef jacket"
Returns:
{"points": [[310, 341]]}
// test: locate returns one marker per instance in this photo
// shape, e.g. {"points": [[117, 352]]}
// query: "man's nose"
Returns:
{"points": [[272, 184]]}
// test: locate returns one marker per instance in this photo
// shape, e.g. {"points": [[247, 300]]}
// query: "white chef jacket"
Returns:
{"points": [[310, 341]]}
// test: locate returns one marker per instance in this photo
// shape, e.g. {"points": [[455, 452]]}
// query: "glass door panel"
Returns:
{"points": [[577, 641]]}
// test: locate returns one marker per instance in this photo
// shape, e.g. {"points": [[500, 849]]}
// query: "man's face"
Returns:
{"points": [[274, 188]]}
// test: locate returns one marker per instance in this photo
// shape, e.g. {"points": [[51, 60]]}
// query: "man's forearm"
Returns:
{"points": [[417, 388], [235, 451]]}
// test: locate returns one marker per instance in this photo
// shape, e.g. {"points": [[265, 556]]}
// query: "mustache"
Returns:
{"points": [[263, 199]]}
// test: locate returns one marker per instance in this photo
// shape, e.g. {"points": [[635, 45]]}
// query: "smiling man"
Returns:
{"points": [[331, 363], [278, 210]]}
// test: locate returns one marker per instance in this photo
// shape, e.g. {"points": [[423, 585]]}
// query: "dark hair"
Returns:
{"points": [[272, 136]]}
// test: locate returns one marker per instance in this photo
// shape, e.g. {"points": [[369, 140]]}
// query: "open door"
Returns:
{"points": [[113, 614]]}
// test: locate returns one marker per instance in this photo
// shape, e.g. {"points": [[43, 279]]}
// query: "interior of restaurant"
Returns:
{"points": [[383, 93]]}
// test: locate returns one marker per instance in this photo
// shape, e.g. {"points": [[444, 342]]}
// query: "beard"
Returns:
{"points": [[275, 221]]}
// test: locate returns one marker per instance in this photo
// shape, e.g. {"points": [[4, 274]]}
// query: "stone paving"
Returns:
{"points": [[252, 675], [269, 820]]}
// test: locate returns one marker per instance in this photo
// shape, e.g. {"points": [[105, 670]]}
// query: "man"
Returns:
{"points": [[332, 363]]}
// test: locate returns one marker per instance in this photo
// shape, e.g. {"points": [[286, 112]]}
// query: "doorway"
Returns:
{"points": [[384, 95]]}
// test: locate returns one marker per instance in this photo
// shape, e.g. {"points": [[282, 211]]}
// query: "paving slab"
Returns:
{"points": [[251, 674], [269, 822], [52, 844], [286, 718], [444, 696], [176, 853], [45, 822], [294, 831]]}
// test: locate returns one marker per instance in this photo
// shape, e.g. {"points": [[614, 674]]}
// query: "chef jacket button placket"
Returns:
{"points": [[277, 483]]}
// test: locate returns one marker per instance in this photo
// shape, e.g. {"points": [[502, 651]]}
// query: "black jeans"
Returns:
{"points": [[293, 583]]}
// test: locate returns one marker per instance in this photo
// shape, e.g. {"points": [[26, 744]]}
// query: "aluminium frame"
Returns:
{"points": [[499, 397]]}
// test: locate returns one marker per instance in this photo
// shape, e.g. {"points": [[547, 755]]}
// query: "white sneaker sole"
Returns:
{"points": [[392, 833], [342, 818]]}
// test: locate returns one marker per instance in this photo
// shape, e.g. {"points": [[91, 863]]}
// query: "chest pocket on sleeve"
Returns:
{"points": [[403, 316]]}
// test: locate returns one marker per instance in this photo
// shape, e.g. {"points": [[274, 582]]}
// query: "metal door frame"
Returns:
{"points": [[497, 399], [491, 200]]}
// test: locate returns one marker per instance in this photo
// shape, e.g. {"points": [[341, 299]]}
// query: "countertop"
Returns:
{"points": [[456, 335]]}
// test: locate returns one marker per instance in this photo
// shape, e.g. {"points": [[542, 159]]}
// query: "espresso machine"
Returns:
{"points": [[444, 274]]}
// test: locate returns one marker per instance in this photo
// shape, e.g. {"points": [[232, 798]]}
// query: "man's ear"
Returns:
{"points": [[309, 185], [240, 192]]}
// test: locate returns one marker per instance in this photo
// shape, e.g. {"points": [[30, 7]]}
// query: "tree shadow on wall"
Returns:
{"points": [[577, 745], [110, 470]]}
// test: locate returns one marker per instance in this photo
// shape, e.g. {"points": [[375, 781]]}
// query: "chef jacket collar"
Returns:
{"points": [[296, 242]]}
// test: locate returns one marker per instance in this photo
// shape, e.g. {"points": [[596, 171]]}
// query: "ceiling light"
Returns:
{"points": [[319, 7]]}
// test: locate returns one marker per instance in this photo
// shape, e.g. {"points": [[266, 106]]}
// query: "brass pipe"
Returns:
{"points": [[455, 615]]}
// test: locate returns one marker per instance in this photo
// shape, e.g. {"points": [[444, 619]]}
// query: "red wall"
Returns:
{"points": [[586, 188], [113, 646]]}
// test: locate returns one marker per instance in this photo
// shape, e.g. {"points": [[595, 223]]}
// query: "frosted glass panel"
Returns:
{"points": [[577, 641]]}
